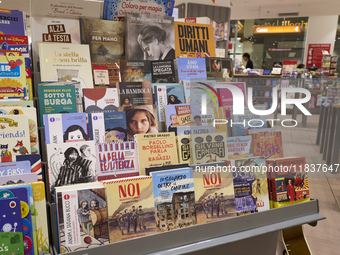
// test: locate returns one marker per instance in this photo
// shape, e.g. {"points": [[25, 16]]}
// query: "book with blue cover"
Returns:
{"points": [[107, 127], [62, 128], [190, 68], [13, 22], [174, 199], [15, 168]]}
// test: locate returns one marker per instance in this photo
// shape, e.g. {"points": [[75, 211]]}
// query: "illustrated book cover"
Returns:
{"points": [[239, 147], [15, 43], [183, 143], [267, 145], [13, 22], [101, 100]]}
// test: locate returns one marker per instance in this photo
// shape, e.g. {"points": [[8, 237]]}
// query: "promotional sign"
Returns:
{"points": [[277, 29], [315, 53]]}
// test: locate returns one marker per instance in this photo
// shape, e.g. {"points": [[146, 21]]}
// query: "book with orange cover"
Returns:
{"points": [[267, 145]]}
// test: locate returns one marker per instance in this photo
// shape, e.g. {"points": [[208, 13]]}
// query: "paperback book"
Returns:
{"points": [[267, 145], [13, 22], [174, 199], [134, 93], [149, 170], [192, 130], [135, 71], [101, 100], [239, 147], [183, 143], [163, 71], [190, 68], [130, 208], [220, 69]]}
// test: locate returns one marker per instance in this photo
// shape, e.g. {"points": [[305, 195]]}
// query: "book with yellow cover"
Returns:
{"points": [[214, 193], [130, 207], [183, 143], [156, 149]]}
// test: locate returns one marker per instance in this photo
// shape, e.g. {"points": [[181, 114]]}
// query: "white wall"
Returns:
{"points": [[321, 29]]}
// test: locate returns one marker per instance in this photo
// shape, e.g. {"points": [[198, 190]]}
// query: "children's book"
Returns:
{"points": [[13, 22], [66, 127], [267, 145], [18, 179], [207, 148], [15, 43], [82, 217], [11, 217], [13, 241], [116, 160], [174, 199], [135, 71], [158, 149], [130, 207], [134, 93], [214, 193], [15, 168], [15, 135], [239, 147], [101, 100], [107, 127]]}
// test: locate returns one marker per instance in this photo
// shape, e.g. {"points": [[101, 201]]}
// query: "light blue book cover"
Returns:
{"points": [[190, 68], [66, 127], [181, 115], [173, 191], [15, 168], [108, 127]]}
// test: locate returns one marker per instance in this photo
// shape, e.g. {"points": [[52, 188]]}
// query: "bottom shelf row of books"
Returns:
{"points": [[170, 198]]}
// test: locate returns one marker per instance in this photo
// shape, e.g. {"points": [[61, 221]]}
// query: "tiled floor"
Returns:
{"points": [[298, 141]]}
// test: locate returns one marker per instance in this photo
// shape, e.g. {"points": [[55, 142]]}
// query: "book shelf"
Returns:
{"points": [[237, 234]]}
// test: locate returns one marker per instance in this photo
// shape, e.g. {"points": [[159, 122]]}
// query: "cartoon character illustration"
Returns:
{"points": [[116, 134], [75, 133], [22, 149], [4, 150]]}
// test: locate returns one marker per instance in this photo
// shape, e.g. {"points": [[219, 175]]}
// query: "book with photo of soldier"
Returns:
{"points": [[131, 209], [214, 193], [134, 71], [174, 199], [149, 37], [163, 71], [82, 218]]}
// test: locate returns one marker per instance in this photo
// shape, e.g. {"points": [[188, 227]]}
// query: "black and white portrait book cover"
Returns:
{"points": [[149, 37], [71, 163]]}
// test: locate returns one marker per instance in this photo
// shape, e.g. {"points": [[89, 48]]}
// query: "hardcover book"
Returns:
{"points": [[107, 127], [7, 241], [15, 43], [52, 30], [174, 199], [158, 149], [194, 40], [66, 62], [82, 217], [135, 71], [183, 143], [15, 168], [267, 145], [13, 22], [219, 69], [207, 148], [106, 39], [11, 212], [214, 194], [116, 160], [134, 93], [15, 135], [56, 99], [64, 128], [149, 37], [130, 208], [101, 100], [239, 147], [163, 71], [71, 163], [116, 10], [190, 68]]}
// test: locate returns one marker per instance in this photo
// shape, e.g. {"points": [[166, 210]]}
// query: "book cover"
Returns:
{"points": [[239, 147], [183, 143], [134, 93], [64, 62], [163, 71], [255, 166], [13, 22], [182, 115], [167, 94], [13, 75], [174, 199], [56, 99], [11, 214], [207, 148], [227, 96], [116, 160], [17, 103], [116, 10], [135, 71], [15, 135], [71, 163], [214, 194], [24, 193], [82, 218], [15, 168], [52, 30], [190, 68], [156, 150], [15, 43], [247, 121], [101, 100], [10, 53], [130, 208], [106, 39], [194, 40], [140, 119], [34, 159], [31, 113], [12, 241], [197, 89], [18, 179], [149, 170], [219, 69], [267, 145], [108, 127], [65, 127], [259, 130], [188, 130], [149, 37], [39, 198]]}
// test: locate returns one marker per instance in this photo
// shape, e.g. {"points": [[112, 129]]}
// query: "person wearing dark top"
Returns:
{"points": [[246, 57]]}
